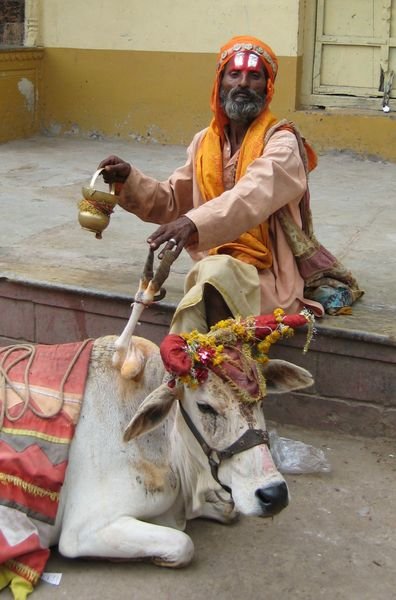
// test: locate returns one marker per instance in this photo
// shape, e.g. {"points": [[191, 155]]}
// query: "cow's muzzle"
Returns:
{"points": [[273, 498]]}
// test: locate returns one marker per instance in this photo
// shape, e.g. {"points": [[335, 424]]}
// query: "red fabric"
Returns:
{"points": [[267, 323], [234, 368], [34, 467], [50, 364], [34, 450], [174, 355], [295, 321], [28, 553]]}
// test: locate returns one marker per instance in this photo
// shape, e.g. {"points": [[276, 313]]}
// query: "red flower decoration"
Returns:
{"points": [[201, 374], [174, 355]]}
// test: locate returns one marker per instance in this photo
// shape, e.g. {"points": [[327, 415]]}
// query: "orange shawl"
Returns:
{"points": [[252, 246]]}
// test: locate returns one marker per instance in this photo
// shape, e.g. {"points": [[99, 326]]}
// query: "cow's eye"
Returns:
{"points": [[206, 409]]}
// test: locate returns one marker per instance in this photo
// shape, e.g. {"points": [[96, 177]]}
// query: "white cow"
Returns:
{"points": [[136, 472], [148, 455]]}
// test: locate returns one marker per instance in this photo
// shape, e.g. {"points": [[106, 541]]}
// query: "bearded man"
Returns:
{"points": [[240, 205]]}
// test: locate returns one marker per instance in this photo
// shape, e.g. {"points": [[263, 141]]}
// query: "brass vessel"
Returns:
{"points": [[96, 207]]}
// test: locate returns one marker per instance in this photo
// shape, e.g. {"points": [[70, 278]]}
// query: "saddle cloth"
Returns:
{"points": [[40, 405]]}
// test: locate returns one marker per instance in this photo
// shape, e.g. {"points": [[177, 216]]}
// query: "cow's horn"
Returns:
{"points": [[149, 291]]}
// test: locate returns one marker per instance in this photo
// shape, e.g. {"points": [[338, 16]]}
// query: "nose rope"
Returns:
{"points": [[249, 439]]}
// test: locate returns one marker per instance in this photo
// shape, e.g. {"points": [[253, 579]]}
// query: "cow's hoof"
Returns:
{"points": [[160, 562]]}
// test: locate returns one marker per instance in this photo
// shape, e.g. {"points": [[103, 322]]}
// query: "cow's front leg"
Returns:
{"points": [[128, 539]]}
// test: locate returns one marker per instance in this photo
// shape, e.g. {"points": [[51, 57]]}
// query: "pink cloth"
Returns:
{"points": [[275, 179]]}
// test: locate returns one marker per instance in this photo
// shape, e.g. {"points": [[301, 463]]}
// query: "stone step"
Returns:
{"points": [[354, 369]]}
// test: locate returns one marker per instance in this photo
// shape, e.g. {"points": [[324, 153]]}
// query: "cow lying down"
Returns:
{"points": [[171, 434]]}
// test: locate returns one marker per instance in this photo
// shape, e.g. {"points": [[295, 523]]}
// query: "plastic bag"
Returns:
{"points": [[293, 457]]}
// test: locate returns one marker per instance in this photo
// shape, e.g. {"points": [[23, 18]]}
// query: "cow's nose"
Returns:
{"points": [[273, 498]]}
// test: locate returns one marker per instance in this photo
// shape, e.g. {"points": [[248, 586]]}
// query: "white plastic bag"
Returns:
{"points": [[293, 457]]}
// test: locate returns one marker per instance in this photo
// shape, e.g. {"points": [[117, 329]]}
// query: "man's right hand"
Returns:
{"points": [[115, 169]]}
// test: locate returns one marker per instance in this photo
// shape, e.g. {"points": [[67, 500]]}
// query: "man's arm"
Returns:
{"points": [[149, 199]]}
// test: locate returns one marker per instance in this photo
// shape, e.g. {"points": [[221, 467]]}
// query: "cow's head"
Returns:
{"points": [[220, 380]]}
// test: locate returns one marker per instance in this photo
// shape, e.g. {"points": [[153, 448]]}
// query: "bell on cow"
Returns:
{"points": [[96, 207]]}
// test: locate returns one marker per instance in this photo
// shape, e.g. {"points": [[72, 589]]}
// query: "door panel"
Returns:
{"points": [[355, 48]]}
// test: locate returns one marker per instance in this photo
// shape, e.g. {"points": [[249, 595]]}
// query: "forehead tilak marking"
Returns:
{"points": [[250, 47], [245, 60], [253, 60]]}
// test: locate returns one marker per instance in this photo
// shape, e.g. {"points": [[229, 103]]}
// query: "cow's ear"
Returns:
{"points": [[151, 412], [282, 376]]}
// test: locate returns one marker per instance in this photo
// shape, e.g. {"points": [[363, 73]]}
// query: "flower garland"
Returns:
{"points": [[189, 356], [204, 353]]}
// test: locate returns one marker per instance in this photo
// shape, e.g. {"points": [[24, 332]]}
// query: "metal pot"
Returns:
{"points": [[96, 207]]}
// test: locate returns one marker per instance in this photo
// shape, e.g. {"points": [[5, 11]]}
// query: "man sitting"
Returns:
{"points": [[240, 205]]}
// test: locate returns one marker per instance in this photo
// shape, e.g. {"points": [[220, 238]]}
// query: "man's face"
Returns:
{"points": [[243, 87]]}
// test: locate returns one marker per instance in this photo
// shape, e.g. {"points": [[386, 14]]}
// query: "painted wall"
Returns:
{"points": [[20, 84], [170, 26], [144, 70]]}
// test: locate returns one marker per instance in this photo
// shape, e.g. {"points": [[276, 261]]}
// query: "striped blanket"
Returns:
{"points": [[41, 390]]}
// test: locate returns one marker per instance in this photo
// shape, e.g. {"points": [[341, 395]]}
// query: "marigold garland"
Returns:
{"points": [[206, 351]]}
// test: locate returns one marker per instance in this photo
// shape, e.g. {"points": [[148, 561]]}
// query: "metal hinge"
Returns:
{"points": [[385, 85]]}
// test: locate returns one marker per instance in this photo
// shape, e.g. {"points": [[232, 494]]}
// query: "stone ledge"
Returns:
{"points": [[354, 371], [331, 414], [22, 288]]}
